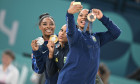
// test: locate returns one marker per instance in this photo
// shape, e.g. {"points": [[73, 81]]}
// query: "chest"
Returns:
{"points": [[89, 41], [60, 56]]}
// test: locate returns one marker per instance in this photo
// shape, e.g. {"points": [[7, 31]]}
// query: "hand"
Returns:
{"points": [[34, 45], [51, 46], [98, 13], [74, 8]]}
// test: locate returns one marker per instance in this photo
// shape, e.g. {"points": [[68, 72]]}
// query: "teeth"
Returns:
{"points": [[48, 30], [82, 21]]}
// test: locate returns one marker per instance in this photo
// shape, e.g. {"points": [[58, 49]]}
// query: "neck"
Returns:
{"points": [[5, 66], [62, 44], [81, 28], [46, 37]]}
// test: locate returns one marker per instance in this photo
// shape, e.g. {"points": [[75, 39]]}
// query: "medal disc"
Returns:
{"points": [[40, 41], [53, 38], [91, 17]]}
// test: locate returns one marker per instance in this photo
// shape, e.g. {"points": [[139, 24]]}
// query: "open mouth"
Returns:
{"points": [[83, 22], [48, 30]]}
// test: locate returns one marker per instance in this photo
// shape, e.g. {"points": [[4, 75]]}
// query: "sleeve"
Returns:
{"points": [[112, 33], [15, 77], [38, 64], [51, 67], [72, 31]]}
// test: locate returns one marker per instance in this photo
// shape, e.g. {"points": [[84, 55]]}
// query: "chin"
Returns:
{"points": [[60, 40], [48, 34], [82, 26]]}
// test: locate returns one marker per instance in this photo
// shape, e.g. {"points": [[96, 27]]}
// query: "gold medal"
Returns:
{"points": [[76, 3], [53, 38], [91, 17]]}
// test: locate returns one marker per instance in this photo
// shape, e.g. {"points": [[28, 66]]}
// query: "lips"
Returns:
{"points": [[83, 22], [48, 30], [60, 37]]}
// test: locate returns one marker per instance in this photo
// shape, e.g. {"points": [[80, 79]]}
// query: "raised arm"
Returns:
{"points": [[71, 26], [112, 33], [51, 66]]}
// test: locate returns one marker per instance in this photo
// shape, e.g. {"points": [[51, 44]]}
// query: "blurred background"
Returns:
{"points": [[19, 26]]}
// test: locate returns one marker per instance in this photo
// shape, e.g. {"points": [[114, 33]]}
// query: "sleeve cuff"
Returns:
{"points": [[103, 19], [69, 15]]}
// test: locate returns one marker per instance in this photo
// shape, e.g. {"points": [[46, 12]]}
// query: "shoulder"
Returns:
{"points": [[14, 69]]}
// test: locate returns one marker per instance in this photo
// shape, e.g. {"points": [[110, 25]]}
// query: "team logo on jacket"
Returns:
{"points": [[65, 59], [56, 59], [94, 39]]}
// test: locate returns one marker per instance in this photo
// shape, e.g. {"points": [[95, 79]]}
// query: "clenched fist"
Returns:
{"points": [[51, 46], [34, 45], [74, 8]]}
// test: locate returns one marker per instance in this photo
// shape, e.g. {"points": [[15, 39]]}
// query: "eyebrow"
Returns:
{"points": [[49, 22], [83, 14]]}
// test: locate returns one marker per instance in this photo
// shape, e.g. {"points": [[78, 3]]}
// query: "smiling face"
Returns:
{"points": [[82, 16], [62, 37], [47, 26]]}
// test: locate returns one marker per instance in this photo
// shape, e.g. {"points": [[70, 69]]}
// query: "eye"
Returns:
{"points": [[44, 24], [51, 23], [81, 15], [61, 30]]}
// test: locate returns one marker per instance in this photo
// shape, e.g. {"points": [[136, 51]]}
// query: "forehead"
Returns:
{"points": [[84, 11], [64, 27], [5, 55], [47, 19]]}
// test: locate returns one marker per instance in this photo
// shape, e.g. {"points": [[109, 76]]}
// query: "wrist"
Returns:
{"points": [[35, 49], [69, 11], [50, 55]]}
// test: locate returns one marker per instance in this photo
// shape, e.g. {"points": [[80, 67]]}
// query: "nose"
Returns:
{"points": [[84, 17], [62, 33], [47, 26]]}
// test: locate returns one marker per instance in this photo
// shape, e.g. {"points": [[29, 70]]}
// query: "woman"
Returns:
{"points": [[84, 48], [9, 74], [58, 52], [40, 53]]}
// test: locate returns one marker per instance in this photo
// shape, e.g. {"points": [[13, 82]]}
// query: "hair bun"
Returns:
{"points": [[43, 15], [46, 14]]}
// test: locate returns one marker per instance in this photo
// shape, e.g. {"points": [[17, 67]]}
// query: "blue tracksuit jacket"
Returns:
{"points": [[84, 52], [41, 63]]}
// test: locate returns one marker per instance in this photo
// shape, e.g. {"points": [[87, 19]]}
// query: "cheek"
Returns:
{"points": [[59, 34], [66, 37], [53, 28], [78, 19], [3, 59], [41, 28]]}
